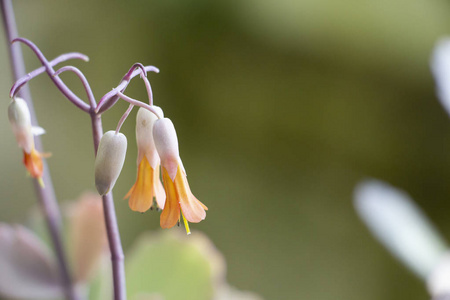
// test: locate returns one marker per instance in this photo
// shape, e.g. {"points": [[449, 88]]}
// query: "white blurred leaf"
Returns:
{"points": [[27, 270], [400, 225], [440, 66], [438, 282]]}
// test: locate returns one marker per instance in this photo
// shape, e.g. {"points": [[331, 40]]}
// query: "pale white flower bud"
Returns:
{"points": [[144, 135], [109, 161], [166, 143], [400, 225], [20, 119]]}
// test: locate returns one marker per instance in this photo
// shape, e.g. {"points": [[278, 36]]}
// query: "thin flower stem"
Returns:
{"points": [[115, 244], [46, 196], [110, 98], [84, 81], [139, 103], [123, 118], [23, 80], [56, 80], [112, 228], [148, 88]]}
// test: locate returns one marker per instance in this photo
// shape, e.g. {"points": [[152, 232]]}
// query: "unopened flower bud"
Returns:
{"points": [[20, 119], [166, 143], [109, 161]]}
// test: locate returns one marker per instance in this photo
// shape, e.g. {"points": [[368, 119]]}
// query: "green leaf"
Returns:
{"points": [[174, 266]]}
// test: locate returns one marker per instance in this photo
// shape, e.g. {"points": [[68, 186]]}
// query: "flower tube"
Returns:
{"points": [[148, 185], [178, 194]]}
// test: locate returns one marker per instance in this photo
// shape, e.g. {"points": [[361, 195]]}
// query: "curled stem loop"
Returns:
{"points": [[84, 81], [24, 79], [56, 80], [110, 98]]}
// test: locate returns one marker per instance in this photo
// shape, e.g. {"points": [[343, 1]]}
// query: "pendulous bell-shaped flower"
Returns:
{"points": [[109, 161], [178, 194], [20, 119], [148, 184]]}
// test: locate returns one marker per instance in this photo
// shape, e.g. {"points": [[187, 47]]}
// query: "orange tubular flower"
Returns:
{"points": [[148, 185], [178, 193], [20, 119], [33, 163]]}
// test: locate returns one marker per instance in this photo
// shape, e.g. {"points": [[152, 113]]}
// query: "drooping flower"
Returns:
{"points": [[109, 161], [178, 194], [20, 120], [148, 184]]}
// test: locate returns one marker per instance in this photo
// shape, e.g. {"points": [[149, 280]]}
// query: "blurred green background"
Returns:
{"points": [[281, 107]]}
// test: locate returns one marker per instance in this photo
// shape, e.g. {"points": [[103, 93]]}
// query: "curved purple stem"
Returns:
{"points": [[123, 118], [23, 80], [127, 76], [84, 81], [148, 87], [56, 80], [110, 98], [139, 103]]}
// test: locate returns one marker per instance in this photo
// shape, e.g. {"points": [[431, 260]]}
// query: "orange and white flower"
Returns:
{"points": [[20, 119], [148, 184], [178, 194]]}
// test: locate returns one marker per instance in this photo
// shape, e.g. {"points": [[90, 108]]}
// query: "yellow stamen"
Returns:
{"points": [[41, 182], [186, 225]]}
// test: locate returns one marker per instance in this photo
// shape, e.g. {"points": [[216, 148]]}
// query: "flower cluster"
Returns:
{"points": [[158, 153], [158, 156]]}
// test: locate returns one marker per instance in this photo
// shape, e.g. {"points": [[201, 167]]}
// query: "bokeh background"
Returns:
{"points": [[281, 107]]}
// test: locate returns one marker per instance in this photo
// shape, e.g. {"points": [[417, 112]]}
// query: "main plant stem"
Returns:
{"points": [[115, 245], [46, 196]]}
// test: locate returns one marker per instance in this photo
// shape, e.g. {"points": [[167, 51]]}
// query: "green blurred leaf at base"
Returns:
{"points": [[174, 266]]}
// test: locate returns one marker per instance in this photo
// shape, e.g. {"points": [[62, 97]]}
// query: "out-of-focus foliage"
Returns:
{"points": [[280, 108], [172, 265], [188, 268], [169, 265], [28, 270]]}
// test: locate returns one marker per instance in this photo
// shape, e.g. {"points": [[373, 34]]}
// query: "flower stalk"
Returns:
{"points": [[46, 196], [112, 228]]}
